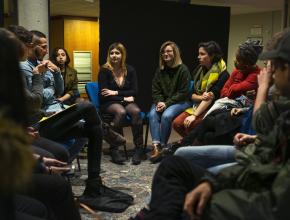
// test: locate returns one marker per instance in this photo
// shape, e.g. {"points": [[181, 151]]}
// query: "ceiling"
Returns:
{"points": [[86, 8], [90, 8]]}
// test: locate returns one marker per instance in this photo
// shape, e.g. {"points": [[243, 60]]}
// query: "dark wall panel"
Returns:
{"points": [[142, 26]]}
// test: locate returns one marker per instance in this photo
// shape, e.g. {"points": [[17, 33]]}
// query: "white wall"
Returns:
{"points": [[240, 27], [33, 15]]}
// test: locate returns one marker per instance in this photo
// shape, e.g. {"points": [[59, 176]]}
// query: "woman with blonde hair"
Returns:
{"points": [[170, 92], [118, 90]]}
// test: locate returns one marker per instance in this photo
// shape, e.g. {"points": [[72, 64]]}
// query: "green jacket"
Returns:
{"points": [[70, 81], [258, 187], [171, 85]]}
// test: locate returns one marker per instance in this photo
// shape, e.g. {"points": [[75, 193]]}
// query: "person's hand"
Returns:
{"points": [[32, 132], [242, 139], [188, 120], [51, 66], [195, 201], [129, 99], [265, 78], [236, 111], [108, 92], [206, 96], [57, 170], [160, 107], [53, 162], [39, 69]]}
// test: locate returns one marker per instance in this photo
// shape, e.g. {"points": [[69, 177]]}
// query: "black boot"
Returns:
{"points": [[138, 155], [101, 198], [92, 187], [112, 137], [171, 148], [117, 157]]}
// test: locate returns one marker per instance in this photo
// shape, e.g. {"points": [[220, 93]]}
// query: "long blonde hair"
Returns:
{"points": [[177, 58], [122, 49]]}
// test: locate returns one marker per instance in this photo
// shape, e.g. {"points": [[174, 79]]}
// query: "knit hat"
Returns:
{"points": [[282, 50], [250, 51]]}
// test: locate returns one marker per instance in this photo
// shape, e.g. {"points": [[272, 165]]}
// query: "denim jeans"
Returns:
{"points": [[211, 157], [160, 122]]}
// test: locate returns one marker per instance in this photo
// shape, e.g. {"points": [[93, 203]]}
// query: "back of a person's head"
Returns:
{"points": [[249, 51], [38, 33], [16, 160], [272, 44], [12, 100], [21, 33], [213, 49]]}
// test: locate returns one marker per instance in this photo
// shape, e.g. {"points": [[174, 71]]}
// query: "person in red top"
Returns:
{"points": [[244, 77]]}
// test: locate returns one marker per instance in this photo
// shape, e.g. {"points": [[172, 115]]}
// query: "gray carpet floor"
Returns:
{"points": [[132, 179]]}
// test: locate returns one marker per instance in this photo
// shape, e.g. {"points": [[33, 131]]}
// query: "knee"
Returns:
{"points": [[121, 113], [86, 106], [181, 152], [167, 117], [176, 124]]}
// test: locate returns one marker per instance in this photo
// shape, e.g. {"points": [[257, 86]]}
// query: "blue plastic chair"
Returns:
{"points": [[92, 90]]}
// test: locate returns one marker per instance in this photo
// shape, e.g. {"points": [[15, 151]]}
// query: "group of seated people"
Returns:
{"points": [[247, 180]]}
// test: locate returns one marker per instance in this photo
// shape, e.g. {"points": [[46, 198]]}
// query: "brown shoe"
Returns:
{"points": [[156, 154]]}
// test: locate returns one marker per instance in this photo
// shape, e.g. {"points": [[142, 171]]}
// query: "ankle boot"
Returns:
{"points": [[117, 157], [112, 137], [171, 148], [156, 155], [138, 155], [92, 187]]}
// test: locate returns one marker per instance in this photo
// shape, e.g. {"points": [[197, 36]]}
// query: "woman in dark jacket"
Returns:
{"points": [[170, 92], [118, 89], [61, 59]]}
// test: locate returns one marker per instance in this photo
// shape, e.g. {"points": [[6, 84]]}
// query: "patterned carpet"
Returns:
{"points": [[132, 179]]}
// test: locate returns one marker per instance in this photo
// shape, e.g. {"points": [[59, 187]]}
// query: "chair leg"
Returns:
{"points": [[126, 153], [125, 147], [78, 162]]}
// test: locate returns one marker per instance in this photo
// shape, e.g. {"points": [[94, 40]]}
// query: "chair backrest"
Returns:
{"points": [[92, 90]]}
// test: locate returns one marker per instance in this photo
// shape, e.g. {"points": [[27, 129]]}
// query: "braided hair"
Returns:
{"points": [[249, 51]]}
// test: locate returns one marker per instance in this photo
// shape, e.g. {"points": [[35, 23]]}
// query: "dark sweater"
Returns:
{"points": [[106, 81], [34, 99], [171, 85], [217, 87]]}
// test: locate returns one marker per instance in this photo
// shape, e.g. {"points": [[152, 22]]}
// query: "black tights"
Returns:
{"points": [[120, 113]]}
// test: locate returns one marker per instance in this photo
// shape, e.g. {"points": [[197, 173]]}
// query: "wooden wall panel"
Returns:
{"points": [[56, 35], [83, 35]]}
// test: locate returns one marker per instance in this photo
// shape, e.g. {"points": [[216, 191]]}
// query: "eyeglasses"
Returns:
{"points": [[166, 51]]}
